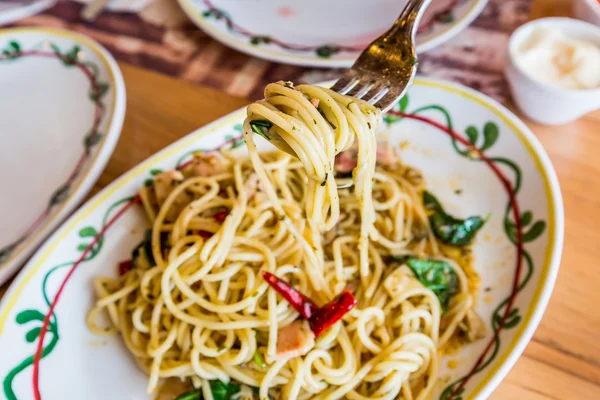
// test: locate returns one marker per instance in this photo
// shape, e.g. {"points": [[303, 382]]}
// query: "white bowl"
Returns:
{"points": [[541, 102], [587, 10]]}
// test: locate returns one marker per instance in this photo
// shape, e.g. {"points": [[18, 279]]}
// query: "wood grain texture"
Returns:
{"points": [[160, 37], [160, 110], [563, 359]]}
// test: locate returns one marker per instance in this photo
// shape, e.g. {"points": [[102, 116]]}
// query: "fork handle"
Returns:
{"points": [[408, 21]]}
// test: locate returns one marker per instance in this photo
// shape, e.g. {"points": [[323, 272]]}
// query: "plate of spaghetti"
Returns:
{"points": [[307, 247]]}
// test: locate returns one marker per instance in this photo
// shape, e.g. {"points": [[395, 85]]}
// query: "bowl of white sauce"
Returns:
{"points": [[553, 69]]}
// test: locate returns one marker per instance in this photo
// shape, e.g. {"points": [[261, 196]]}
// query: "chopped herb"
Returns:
{"points": [[325, 181], [145, 249], [220, 391], [304, 214], [458, 191], [259, 360], [369, 125], [315, 121], [281, 217], [288, 84], [191, 395], [261, 127], [451, 230], [488, 289], [223, 391], [151, 296], [438, 276], [399, 259]]}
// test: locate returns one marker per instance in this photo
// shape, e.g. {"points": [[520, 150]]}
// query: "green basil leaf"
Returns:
{"points": [[220, 391], [261, 127], [438, 276], [431, 203], [451, 230], [191, 395], [223, 391]]}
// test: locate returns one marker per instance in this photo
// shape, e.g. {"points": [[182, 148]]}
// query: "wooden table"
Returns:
{"points": [[563, 359]]}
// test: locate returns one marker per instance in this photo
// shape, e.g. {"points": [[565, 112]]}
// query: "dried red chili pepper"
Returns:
{"points": [[220, 216], [300, 302], [331, 312], [125, 266], [319, 319]]}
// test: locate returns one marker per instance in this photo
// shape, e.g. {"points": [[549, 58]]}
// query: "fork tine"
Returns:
{"points": [[345, 83], [361, 88], [363, 91], [393, 95], [379, 96], [378, 90]]}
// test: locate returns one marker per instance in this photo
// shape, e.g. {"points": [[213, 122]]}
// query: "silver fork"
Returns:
{"points": [[386, 68], [383, 71]]}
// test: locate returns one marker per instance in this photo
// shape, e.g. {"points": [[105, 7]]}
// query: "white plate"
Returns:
{"points": [[319, 33], [61, 117], [78, 362], [14, 10]]}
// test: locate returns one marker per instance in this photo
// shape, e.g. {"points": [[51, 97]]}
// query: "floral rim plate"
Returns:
{"points": [[493, 165], [62, 105], [321, 33], [13, 10]]}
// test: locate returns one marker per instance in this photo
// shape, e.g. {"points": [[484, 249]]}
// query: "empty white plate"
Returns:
{"points": [[62, 105], [321, 33]]}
